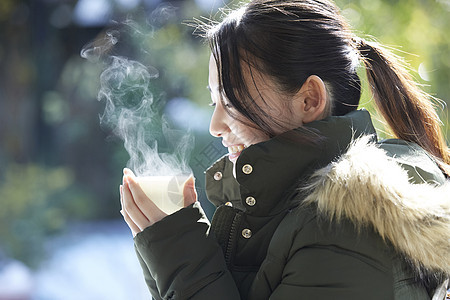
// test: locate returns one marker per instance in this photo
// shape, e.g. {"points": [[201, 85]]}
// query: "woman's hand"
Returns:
{"points": [[138, 210]]}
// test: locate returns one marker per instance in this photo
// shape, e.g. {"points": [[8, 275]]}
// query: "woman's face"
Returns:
{"points": [[235, 134]]}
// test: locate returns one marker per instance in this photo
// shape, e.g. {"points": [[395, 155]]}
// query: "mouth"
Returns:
{"points": [[234, 151]]}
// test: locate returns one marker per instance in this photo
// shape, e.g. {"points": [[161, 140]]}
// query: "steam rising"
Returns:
{"points": [[134, 114], [96, 49]]}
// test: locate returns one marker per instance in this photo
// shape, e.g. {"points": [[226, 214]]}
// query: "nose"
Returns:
{"points": [[219, 121]]}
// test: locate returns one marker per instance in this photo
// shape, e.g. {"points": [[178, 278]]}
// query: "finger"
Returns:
{"points": [[189, 192], [121, 195], [127, 171], [133, 227], [146, 205], [133, 210]]}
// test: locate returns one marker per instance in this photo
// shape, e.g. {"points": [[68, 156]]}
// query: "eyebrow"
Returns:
{"points": [[211, 90]]}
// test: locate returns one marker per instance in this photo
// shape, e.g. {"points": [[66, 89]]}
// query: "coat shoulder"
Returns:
{"points": [[419, 165]]}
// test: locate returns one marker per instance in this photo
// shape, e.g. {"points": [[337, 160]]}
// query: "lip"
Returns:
{"points": [[233, 158]]}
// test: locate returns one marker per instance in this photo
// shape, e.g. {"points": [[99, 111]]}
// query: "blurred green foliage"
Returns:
{"points": [[417, 31], [37, 202]]}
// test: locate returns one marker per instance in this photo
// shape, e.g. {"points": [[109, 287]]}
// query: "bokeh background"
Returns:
{"points": [[61, 234]]}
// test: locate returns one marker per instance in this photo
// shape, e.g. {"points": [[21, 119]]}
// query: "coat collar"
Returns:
{"points": [[270, 171]]}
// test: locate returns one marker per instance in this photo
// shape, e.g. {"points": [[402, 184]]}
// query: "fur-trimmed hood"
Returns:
{"points": [[372, 189]]}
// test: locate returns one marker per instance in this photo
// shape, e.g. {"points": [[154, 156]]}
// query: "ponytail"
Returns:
{"points": [[406, 108]]}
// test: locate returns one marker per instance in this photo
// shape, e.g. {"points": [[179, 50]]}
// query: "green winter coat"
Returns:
{"points": [[337, 220]]}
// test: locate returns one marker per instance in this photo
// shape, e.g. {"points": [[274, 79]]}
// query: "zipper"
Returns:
{"points": [[232, 238]]}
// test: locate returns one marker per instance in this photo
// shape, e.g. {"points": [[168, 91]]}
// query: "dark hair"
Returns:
{"points": [[407, 109], [293, 39]]}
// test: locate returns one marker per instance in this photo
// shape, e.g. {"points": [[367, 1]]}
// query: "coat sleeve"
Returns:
{"points": [[149, 280], [181, 261]]}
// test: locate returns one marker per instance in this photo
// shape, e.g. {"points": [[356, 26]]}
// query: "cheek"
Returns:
{"points": [[246, 134], [249, 135]]}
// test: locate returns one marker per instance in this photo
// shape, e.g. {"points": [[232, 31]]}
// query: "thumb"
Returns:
{"points": [[189, 192]]}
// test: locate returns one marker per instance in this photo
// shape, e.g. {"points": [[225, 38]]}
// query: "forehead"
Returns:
{"points": [[213, 74]]}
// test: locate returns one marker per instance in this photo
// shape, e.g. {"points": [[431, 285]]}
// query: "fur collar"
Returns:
{"points": [[371, 189]]}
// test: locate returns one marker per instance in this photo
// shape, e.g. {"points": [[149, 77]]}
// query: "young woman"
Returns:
{"points": [[309, 204]]}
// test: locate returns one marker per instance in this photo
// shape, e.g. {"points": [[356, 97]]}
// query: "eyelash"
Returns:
{"points": [[227, 105]]}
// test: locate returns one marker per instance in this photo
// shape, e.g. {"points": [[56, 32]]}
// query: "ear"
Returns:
{"points": [[314, 100]]}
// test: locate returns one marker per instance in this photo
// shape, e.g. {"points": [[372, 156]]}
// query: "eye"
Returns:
{"points": [[213, 104]]}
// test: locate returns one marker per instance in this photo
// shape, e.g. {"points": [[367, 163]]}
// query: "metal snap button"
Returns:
{"points": [[247, 169], [250, 201], [229, 203], [247, 233], [218, 176]]}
